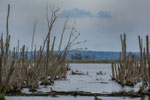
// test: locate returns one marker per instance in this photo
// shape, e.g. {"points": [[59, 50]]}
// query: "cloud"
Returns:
{"points": [[75, 13], [104, 14]]}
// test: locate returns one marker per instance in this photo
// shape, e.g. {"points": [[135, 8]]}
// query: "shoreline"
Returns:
{"points": [[92, 61]]}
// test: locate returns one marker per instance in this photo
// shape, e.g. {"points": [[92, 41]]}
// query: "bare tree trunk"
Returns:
{"points": [[33, 39], [0, 69]]}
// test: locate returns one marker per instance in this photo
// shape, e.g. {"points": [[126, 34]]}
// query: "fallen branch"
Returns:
{"points": [[83, 93]]}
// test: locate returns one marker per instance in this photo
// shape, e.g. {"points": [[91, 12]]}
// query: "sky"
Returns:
{"points": [[100, 22]]}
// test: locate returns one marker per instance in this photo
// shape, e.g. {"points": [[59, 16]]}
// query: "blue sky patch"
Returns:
{"points": [[75, 13], [104, 14]]}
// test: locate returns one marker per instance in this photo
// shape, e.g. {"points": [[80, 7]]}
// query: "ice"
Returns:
{"points": [[89, 83]]}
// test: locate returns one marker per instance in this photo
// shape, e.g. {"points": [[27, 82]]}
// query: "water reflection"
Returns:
{"points": [[142, 98], [145, 98]]}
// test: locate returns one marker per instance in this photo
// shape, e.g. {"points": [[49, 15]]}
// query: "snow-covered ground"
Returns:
{"points": [[89, 83]]}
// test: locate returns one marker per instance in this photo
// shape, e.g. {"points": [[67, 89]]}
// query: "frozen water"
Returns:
{"points": [[89, 83]]}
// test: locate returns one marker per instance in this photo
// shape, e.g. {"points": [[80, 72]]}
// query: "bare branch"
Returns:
{"points": [[53, 19], [63, 31]]}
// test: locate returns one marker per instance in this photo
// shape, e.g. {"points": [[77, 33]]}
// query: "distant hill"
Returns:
{"points": [[89, 55], [95, 55]]}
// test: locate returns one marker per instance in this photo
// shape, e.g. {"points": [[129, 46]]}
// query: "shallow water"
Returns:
{"points": [[90, 83]]}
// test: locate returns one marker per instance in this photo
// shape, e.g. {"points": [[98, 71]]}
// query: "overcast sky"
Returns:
{"points": [[100, 22]]}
